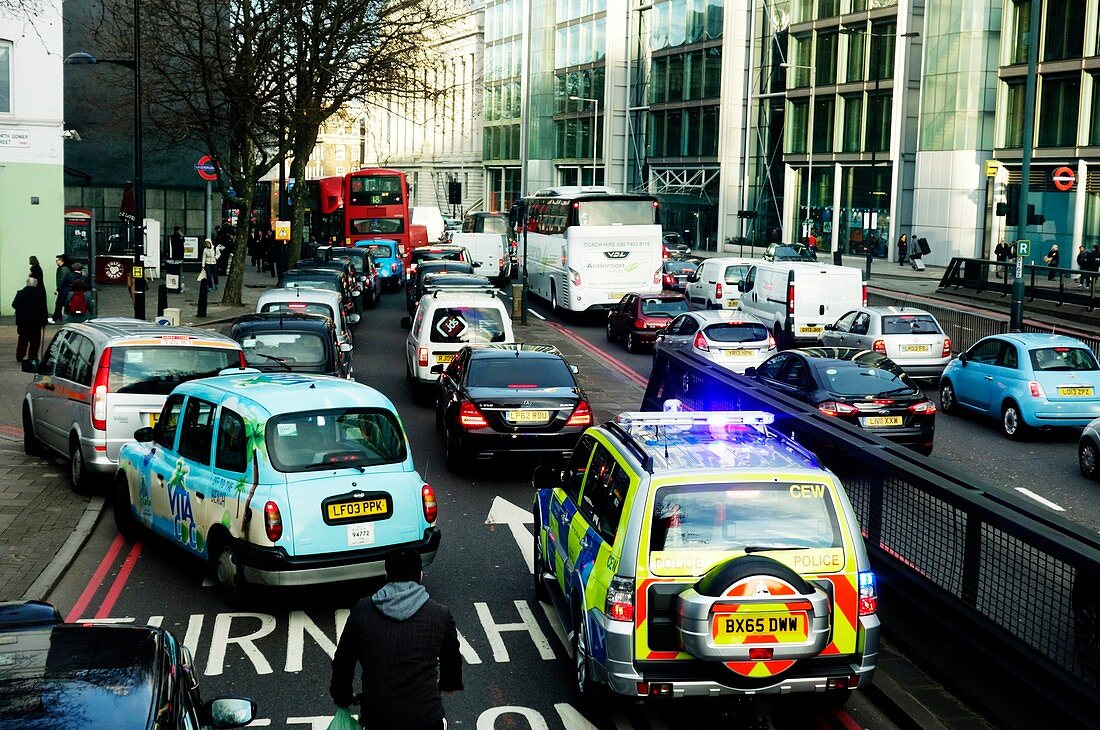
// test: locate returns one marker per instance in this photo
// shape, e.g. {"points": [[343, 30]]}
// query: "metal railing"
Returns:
{"points": [[1046, 283], [988, 572]]}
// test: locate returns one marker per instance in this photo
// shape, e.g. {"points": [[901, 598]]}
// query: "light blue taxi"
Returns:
{"points": [[387, 255], [1027, 380], [277, 479]]}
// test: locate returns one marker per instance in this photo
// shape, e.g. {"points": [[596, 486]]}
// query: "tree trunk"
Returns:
{"points": [[234, 280], [304, 141]]}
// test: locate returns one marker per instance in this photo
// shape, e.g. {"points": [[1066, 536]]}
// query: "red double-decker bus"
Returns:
{"points": [[366, 204]]}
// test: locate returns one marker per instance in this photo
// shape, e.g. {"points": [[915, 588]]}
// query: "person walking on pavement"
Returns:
{"points": [[903, 250], [1093, 256], [1001, 251], [1051, 260], [76, 302], [1082, 265], [210, 264], [61, 291], [912, 248], [36, 272], [30, 319], [175, 245], [407, 646]]}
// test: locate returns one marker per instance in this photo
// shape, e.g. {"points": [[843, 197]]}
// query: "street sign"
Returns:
{"points": [[1019, 268], [1023, 249], [991, 167], [137, 272], [207, 168], [1063, 178], [282, 230]]}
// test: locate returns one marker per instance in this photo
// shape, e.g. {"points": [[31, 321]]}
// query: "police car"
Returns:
{"points": [[705, 554], [277, 479]]}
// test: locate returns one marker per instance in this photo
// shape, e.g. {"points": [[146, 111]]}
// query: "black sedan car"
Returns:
{"points": [[365, 272], [59, 675], [859, 386], [292, 342], [674, 274], [519, 399], [319, 278], [415, 287]]}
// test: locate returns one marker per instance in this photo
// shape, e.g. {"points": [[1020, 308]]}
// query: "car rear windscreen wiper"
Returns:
{"points": [[279, 360], [768, 548]]}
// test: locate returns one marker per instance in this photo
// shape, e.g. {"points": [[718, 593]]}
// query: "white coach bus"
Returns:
{"points": [[587, 247]]}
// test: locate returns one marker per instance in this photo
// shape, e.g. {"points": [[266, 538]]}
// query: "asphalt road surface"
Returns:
{"points": [[277, 649]]}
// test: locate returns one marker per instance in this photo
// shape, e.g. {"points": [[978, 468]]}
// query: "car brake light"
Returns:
{"points": [[718, 290], [470, 417], [864, 294], [868, 594], [501, 262], [422, 357], [582, 415], [925, 409], [879, 346], [620, 599], [761, 654], [273, 522], [99, 391], [1036, 390], [431, 506], [701, 342], [790, 298], [946, 347], [835, 408], [575, 277], [670, 279], [640, 324], [771, 342]]}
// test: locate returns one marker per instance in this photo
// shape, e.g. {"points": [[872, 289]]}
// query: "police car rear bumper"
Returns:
{"points": [[274, 567], [698, 678]]}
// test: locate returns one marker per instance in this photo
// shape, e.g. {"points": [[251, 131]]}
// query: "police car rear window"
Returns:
{"points": [[334, 439], [732, 517], [467, 325], [158, 369]]}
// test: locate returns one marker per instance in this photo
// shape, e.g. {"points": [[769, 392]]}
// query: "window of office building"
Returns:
{"points": [[676, 77], [5, 77], [1058, 106], [825, 66], [883, 37], [878, 121], [824, 117], [712, 74], [828, 8], [1064, 31], [1021, 30], [798, 75], [857, 56], [853, 122], [1014, 114], [802, 10], [1094, 122], [797, 124], [684, 132], [686, 76], [708, 145]]}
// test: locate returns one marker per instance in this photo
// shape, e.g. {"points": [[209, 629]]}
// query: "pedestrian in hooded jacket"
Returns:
{"points": [[407, 645], [30, 318]]}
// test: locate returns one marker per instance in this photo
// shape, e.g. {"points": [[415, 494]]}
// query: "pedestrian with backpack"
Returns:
{"points": [[77, 303]]}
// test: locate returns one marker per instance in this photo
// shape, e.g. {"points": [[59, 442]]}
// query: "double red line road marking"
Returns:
{"points": [[95, 583]]}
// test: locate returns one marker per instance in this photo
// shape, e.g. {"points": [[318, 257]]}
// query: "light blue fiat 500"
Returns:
{"points": [[277, 479]]}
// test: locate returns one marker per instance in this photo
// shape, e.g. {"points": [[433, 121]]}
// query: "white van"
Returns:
{"points": [[489, 252], [714, 284], [430, 218], [797, 299]]}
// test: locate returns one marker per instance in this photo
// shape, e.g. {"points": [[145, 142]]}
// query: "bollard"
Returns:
{"points": [[837, 260], [204, 288], [517, 301], [162, 299]]}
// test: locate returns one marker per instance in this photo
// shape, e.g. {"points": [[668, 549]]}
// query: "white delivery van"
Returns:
{"points": [[797, 299], [714, 284], [489, 252], [430, 218]]}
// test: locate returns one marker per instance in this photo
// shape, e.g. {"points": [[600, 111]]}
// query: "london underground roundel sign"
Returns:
{"points": [[1063, 178]]}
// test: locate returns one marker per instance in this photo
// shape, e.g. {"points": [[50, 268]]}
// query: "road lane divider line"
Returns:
{"points": [[119, 582], [1040, 499], [612, 362], [535, 313], [92, 587], [555, 624]]}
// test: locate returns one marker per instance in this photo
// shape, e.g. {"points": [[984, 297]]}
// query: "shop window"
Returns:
{"points": [[1058, 107], [825, 66], [853, 122], [1014, 114], [1064, 31]]}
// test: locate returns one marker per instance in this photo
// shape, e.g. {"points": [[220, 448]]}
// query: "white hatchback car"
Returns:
{"points": [[911, 337], [445, 322], [726, 337]]}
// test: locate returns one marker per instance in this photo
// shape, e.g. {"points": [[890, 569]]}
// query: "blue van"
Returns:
{"points": [[277, 479], [391, 267]]}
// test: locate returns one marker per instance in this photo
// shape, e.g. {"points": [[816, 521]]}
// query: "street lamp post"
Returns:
{"points": [[595, 121], [133, 64], [810, 142]]}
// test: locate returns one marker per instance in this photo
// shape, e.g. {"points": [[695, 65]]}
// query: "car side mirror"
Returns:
{"points": [[830, 328], [476, 264], [742, 286], [226, 712], [352, 318], [963, 359], [750, 372], [30, 366], [406, 323], [345, 347], [661, 332], [144, 435], [692, 277], [547, 477], [574, 369]]}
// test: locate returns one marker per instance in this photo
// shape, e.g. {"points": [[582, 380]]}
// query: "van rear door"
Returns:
{"points": [[821, 295]]}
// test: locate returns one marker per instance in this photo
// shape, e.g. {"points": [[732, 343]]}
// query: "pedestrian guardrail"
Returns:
{"points": [[989, 574], [1045, 283]]}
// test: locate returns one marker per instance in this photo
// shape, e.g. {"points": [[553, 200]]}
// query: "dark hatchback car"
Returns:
{"points": [[859, 386], [292, 342], [319, 278], [56, 675], [415, 288], [636, 318], [365, 272], [438, 252], [348, 275], [674, 274], [519, 399]]}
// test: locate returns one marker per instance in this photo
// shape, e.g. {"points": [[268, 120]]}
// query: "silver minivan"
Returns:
{"points": [[101, 380]]}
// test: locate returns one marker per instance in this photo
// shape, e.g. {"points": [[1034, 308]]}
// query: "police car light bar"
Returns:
{"points": [[635, 419]]}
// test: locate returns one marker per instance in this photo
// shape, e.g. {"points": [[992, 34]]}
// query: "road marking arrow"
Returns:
{"points": [[504, 512]]}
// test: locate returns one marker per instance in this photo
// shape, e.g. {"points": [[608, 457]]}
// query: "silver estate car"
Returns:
{"points": [[730, 338], [911, 337], [101, 380]]}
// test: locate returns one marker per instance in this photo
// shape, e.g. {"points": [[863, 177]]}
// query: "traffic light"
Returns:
{"points": [[1012, 214], [1033, 218], [1002, 210]]}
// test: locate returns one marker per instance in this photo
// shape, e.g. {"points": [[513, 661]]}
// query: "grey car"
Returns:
{"points": [[101, 380], [911, 337], [727, 337]]}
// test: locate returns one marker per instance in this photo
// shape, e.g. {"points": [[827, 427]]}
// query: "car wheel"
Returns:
{"points": [[777, 332], [232, 585], [541, 591], [1012, 423], [582, 679], [79, 475], [553, 298], [31, 445], [123, 510], [610, 333], [948, 404], [632, 344], [1087, 458]]}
